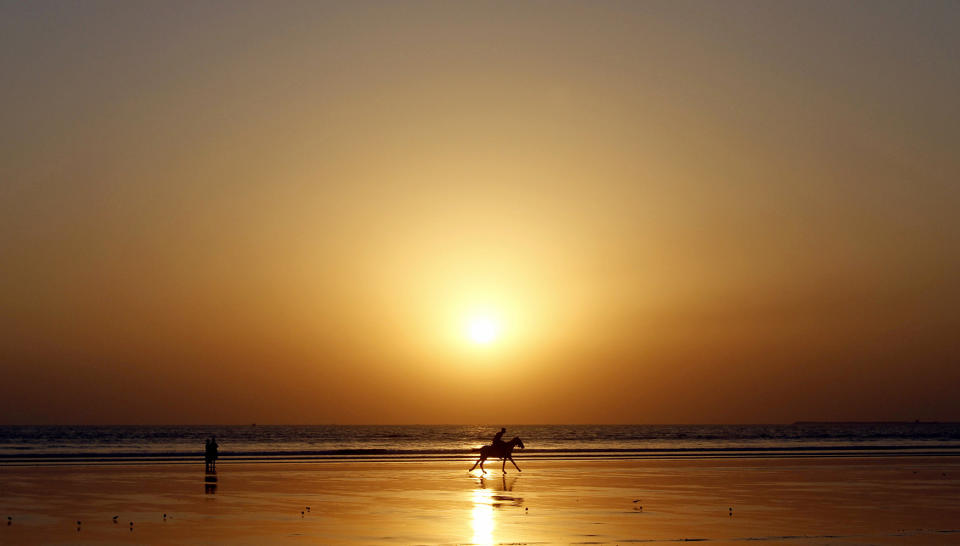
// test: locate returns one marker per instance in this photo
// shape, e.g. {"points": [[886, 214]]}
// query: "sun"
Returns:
{"points": [[483, 330]]}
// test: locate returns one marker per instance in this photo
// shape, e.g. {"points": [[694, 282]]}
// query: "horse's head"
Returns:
{"points": [[517, 441]]}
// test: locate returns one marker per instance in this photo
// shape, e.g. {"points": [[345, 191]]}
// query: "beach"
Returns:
{"points": [[815, 500], [281, 271]]}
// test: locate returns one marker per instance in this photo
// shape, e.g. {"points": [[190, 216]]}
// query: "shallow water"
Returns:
{"points": [[907, 500]]}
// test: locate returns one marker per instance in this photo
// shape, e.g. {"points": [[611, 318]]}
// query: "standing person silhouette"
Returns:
{"points": [[211, 452]]}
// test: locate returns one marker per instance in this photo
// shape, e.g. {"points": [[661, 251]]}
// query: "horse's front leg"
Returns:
{"points": [[503, 467], [515, 464]]}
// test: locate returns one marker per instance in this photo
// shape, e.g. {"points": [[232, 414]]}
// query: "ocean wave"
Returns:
{"points": [[19, 444], [415, 454]]}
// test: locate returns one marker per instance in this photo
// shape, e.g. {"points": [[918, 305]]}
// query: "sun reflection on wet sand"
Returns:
{"points": [[868, 500], [482, 521]]}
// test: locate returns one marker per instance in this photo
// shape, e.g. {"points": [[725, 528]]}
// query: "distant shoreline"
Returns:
{"points": [[876, 423]]}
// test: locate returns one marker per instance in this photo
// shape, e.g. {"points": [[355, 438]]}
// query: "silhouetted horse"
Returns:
{"points": [[503, 451]]}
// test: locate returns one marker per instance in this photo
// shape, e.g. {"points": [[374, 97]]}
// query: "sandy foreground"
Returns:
{"points": [[870, 500]]}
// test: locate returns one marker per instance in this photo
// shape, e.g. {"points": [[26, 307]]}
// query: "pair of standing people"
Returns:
{"points": [[211, 454]]}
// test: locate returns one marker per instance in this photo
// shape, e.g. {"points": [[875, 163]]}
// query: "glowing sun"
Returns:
{"points": [[483, 330]]}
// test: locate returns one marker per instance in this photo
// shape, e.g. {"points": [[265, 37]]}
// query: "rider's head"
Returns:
{"points": [[503, 429]]}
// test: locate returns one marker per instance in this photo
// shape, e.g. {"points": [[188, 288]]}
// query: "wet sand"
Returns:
{"points": [[906, 500]]}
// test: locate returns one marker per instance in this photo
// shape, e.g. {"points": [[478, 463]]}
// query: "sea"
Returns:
{"points": [[317, 443]]}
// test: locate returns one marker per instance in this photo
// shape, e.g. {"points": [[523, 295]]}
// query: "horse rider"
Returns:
{"points": [[498, 439]]}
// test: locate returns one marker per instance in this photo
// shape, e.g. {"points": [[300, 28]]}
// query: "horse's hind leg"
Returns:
{"points": [[479, 462]]}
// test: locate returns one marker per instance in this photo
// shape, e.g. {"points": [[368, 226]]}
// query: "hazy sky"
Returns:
{"points": [[284, 212]]}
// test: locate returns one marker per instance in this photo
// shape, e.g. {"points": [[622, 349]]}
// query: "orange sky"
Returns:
{"points": [[285, 213]]}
